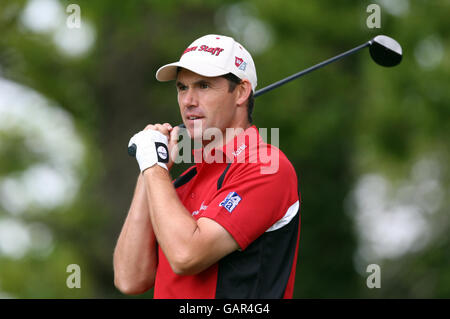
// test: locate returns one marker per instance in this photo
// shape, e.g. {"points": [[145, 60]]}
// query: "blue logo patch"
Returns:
{"points": [[243, 66], [231, 201]]}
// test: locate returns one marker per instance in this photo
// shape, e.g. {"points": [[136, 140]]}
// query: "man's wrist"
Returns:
{"points": [[155, 170]]}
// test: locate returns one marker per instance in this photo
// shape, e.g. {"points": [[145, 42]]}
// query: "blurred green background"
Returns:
{"points": [[370, 144]]}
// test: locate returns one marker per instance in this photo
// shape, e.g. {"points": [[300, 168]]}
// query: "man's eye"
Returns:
{"points": [[182, 88], [204, 85]]}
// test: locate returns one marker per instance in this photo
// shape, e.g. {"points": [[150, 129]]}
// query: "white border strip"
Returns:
{"points": [[291, 212]]}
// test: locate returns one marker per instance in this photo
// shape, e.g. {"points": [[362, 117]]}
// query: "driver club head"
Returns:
{"points": [[385, 51]]}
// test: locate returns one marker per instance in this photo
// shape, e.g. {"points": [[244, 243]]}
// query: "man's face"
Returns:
{"points": [[205, 102]]}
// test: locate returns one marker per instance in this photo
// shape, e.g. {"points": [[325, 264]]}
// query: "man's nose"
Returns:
{"points": [[189, 98]]}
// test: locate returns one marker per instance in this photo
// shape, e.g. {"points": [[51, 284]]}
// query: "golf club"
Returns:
{"points": [[384, 50]]}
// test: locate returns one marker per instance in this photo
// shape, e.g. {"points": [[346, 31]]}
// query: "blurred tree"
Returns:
{"points": [[337, 125]]}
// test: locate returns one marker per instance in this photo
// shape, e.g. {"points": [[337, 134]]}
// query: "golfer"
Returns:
{"points": [[228, 227]]}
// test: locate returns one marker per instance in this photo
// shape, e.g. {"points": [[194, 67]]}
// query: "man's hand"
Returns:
{"points": [[156, 144]]}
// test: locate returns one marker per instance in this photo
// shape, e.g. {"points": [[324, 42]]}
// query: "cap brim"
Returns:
{"points": [[168, 72]]}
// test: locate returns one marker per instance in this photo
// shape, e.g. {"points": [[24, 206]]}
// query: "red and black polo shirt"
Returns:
{"points": [[259, 209]]}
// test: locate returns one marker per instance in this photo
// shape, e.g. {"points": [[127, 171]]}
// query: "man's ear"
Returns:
{"points": [[244, 88]]}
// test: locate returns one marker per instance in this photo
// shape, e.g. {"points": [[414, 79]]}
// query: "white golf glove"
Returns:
{"points": [[151, 149]]}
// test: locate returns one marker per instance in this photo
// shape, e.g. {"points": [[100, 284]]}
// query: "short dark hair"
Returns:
{"points": [[233, 81]]}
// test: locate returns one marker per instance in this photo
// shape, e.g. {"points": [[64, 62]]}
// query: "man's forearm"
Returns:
{"points": [[135, 253], [173, 225]]}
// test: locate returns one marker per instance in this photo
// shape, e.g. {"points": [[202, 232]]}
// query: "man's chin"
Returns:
{"points": [[195, 134]]}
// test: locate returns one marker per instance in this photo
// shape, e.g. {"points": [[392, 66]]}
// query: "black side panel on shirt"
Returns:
{"points": [[183, 179], [263, 269], [222, 177]]}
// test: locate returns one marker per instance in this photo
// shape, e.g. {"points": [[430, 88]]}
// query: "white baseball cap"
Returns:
{"points": [[213, 55]]}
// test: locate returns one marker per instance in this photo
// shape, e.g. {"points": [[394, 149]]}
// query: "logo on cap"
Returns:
{"points": [[240, 63]]}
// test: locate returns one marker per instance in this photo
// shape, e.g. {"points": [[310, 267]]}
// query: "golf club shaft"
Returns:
{"points": [[132, 148], [306, 71], [310, 69]]}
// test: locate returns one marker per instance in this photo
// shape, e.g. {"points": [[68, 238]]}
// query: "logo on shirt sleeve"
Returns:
{"points": [[231, 201]]}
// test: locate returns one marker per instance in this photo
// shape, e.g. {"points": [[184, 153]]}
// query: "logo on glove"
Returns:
{"points": [[162, 152]]}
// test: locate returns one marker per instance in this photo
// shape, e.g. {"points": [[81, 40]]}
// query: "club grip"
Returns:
{"points": [[132, 148]]}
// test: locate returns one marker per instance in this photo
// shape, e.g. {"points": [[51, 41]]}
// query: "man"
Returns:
{"points": [[225, 228]]}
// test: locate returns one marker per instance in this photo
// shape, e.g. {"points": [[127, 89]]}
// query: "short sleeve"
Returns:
{"points": [[250, 202]]}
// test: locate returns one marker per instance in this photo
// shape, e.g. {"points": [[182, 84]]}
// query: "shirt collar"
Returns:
{"points": [[236, 150]]}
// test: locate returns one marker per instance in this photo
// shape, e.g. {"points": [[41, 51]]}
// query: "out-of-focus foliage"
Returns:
{"points": [[363, 138]]}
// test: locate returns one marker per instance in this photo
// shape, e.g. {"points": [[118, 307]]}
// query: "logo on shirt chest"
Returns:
{"points": [[239, 150], [231, 201], [202, 207]]}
